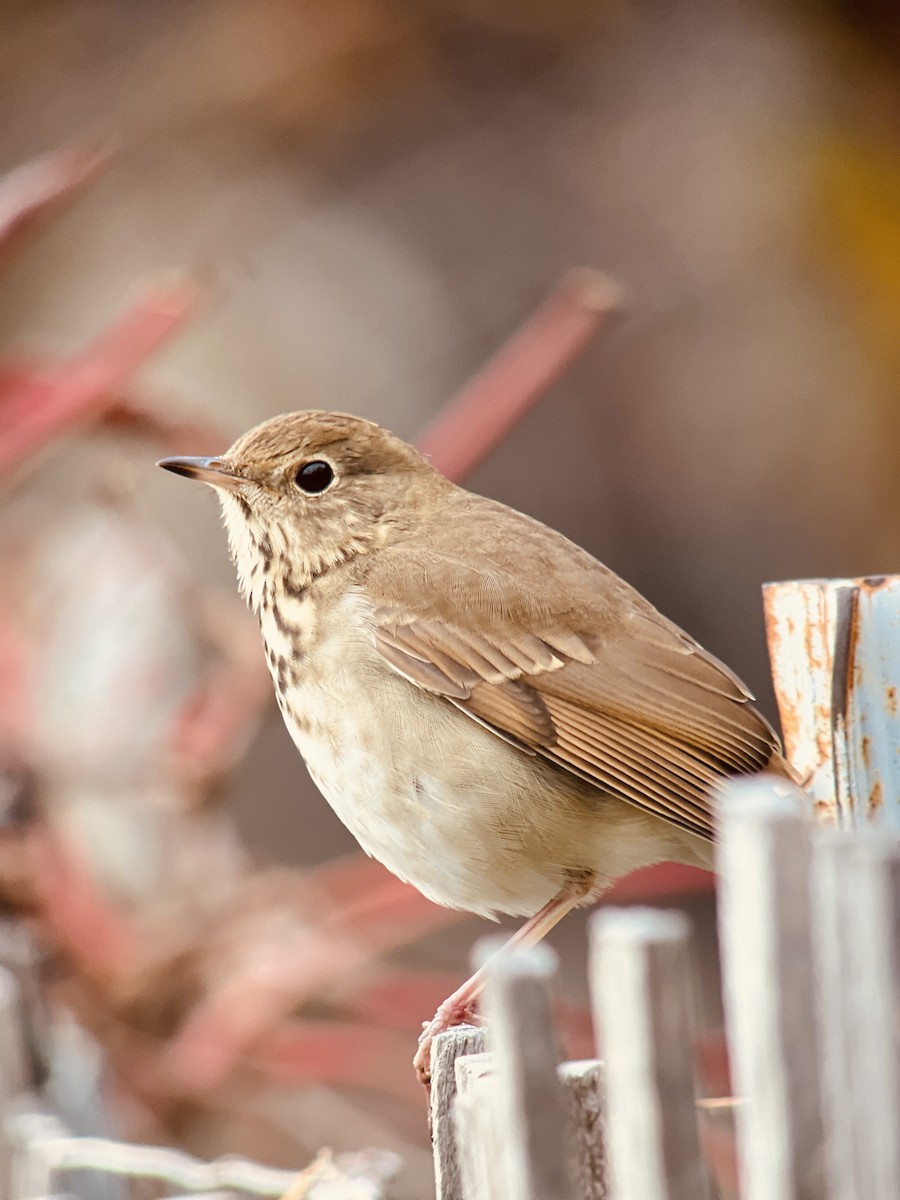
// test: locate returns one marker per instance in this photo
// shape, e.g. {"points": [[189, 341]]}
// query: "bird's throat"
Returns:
{"points": [[288, 621]]}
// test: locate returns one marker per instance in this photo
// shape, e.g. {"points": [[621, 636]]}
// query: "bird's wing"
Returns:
{"points": [[636, 707]]}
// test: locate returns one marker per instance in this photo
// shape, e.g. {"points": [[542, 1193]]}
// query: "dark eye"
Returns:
{"points": [[314, 477]]}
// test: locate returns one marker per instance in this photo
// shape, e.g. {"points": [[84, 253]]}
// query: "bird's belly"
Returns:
{"points": [[469, 820], [404, 810]]}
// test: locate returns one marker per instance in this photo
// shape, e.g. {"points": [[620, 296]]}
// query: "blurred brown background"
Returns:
{"points": [[384, 189]]}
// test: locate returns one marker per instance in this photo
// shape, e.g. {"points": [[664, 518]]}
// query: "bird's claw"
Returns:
{"points": [[452, 1012]]}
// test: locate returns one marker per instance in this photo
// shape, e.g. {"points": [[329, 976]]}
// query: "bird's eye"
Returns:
{"points": [[314, 477]]}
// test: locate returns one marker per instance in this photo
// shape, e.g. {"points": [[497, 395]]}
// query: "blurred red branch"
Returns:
{"points": [[38, 405], [81, 921], [35, 189], [496, 399], [272, 978]]}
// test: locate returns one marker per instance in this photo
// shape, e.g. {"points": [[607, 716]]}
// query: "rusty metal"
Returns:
{"points": [[873, 723], [799, 615], [834, 646]]}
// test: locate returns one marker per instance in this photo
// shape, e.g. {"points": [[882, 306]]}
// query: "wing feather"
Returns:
{"points": [[581, 670]]}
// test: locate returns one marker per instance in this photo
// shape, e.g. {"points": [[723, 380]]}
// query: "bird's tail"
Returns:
{"points": [[698, 852], [779, 765]]}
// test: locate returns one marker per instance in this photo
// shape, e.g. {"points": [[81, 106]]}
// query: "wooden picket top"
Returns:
{"points": [[765, 932], [641, 985]]}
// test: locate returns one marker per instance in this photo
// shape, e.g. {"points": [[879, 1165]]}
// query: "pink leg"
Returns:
{"points": [[461, 1006]]}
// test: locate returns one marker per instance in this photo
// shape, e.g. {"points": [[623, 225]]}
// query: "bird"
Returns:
{"points": [[494, 714]]}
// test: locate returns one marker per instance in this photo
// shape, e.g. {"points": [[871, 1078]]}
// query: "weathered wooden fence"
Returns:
{"points": [[809, 931]]}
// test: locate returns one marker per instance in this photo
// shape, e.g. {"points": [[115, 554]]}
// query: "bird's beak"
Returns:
{"points": [[206, 470]]}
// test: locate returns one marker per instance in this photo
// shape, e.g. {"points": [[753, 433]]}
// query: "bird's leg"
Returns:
{"points": [[461, 1006]]}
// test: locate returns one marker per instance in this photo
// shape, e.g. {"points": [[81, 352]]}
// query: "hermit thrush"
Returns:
{"points": [[495, 715]]}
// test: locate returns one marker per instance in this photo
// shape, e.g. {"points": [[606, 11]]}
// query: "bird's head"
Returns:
{"points": [[308, 490]]}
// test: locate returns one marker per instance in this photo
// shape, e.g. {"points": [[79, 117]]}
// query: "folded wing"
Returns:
{"points": [[633, 706]]}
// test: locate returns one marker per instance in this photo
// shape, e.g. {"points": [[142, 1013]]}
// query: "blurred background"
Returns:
{"points": [[364, 199]]}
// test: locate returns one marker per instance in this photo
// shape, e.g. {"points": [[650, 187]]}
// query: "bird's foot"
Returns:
{"points": [[462, 1005], [457, 1010]]}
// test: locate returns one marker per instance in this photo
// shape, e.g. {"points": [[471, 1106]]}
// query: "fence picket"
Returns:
{"points": [[475, 1117], [530, 1112], [640, 977], [584, 1088], [446, 1049], [832, 934], [764, 853], [857, 880]]}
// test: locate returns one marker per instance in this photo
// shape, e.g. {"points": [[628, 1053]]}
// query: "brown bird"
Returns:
{"points": [[494, 714]]}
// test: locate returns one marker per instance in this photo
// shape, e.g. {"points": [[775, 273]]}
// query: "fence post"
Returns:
{"points": [[857, 890], [640, 981], [446, 1049], [764, 852], [832, 933], [834, 646], [14, 1068], [481, 1171], [584, 1088], [529, 1097]]}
